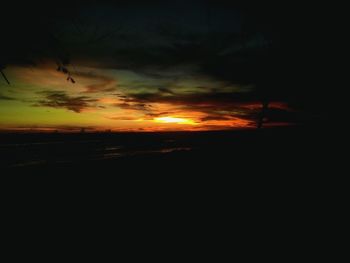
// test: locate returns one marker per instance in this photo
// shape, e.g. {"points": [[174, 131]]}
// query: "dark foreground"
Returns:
{"points": [[280, 151], [282, 176]]}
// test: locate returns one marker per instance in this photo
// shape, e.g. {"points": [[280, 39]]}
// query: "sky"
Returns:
{"points": [[142, 66]]}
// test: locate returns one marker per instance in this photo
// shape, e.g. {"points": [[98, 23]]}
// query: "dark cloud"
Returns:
{"points": [[166, 91], [227, 43], [59, 99], [152, 115], [133, 106], [122, 96], [216, 105], [122, 118], [105, 84], [215, 118], [203, 99], [96, 88], [3, 97]]}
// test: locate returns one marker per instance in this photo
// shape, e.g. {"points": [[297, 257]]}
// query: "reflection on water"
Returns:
{"points": [[52, 151], [115, 152], [30, 163], [164, 150], [109, 153], [112, 148], [170, 150]]}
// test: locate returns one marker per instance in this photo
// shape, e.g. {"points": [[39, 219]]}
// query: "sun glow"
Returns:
{"points": [[169, 119]]}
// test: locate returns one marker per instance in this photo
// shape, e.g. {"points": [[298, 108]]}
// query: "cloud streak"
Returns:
{"points": [[59, 99], [4, 97], [208, 107], [100, 83]]}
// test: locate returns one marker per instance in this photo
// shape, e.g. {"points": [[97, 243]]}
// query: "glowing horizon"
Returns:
{"points": [[116, 68], [41, 99], [169, 119]]}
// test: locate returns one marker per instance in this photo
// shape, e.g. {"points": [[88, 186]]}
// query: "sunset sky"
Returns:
{"points": [[116, 99], [142, 67]]}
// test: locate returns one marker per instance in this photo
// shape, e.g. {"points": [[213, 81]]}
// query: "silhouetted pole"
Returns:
{"points": [[265, 106]]}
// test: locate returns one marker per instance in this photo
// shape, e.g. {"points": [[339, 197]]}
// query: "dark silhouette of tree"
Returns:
{"points": [[31, 37], [259, 23], [240, 57], [265, 105], [3, 74], [37, 31]]}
